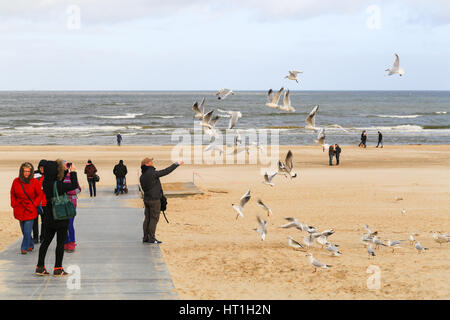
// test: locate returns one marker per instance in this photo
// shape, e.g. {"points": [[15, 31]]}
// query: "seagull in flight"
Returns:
{"points": [[311, 120], [268, 179], [286, 167], [321, 140], [287, 103], [234, 117], [293, 222], [240, 207], [274, 98], [223, 93], [199, 109], [295, 244], [396, 67], [266, 208], [262, 229], [293, 75]]}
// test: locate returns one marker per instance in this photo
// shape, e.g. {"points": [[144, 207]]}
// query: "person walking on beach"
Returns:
{"points": [[337, 151], [54, 172], [120, 171], [39, 176], [26, 196], [380, 139], [69, 245], [90, 171], [363, 139], [119, 139], [331, 153], [152, 189]]}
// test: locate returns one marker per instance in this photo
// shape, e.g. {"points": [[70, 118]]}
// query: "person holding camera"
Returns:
{"points": [[54, 171], [153, 193]]}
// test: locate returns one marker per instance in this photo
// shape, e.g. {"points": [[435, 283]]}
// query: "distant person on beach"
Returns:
{"points": [[363, 139], [331, 153], [380, 139], [39, 176], [337, 151], [90, 171], [119, 139], [120, 171], [26, 196], [69, 245], [54, 172], [151, 186]]}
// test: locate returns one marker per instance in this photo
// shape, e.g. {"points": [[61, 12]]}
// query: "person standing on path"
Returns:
{"points": [[380, 139], [69, 245], [337, 151], [363, 139], [152, 189], [39, 175], [54, 172], [119, 139], [26, 196], [331, 153], [90, 171], [120, 171]]}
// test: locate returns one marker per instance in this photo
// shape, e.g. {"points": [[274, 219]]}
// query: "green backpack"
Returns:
{"points": [[62, 207]]}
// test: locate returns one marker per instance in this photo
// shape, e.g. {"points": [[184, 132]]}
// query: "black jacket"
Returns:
{"points": [[338, 150], [331, 151], [150, 181], [120, 170], [50, 173]]}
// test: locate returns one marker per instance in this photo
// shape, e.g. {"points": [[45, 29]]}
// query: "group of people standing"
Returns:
{"points": [[363, 141], [334, 151]]}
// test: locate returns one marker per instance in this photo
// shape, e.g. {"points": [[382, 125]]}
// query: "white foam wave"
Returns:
{"points": [[40, 123], [398, 116], [166, 117], [126, 116], [441, 112]]}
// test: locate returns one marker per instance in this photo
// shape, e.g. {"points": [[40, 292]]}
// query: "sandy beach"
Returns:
{"points": [[211, 255]]}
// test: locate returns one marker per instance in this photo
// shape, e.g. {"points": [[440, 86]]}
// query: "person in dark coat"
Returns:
{"points": [[119, 139], [331, 153], [120, 171], [337, 151], [152, 189], [90, 171], [363, 139], [54, 171], [39, 175], [380, 139]]}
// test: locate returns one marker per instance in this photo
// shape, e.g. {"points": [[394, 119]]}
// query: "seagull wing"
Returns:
{"points": [[198, 112], [202, 106], [310, 119], [396, 64], [233, 120], [245, 198], [276, 97], [289, 162], [286, 99]]}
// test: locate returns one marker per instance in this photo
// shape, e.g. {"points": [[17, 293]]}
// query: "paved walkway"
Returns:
{"points": [[112, 260]]}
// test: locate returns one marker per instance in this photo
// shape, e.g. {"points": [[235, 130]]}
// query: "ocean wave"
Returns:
{"points": [[441, 112], [406, 128], [165, 117], [40, 123], [126, 116], [398, 116]]}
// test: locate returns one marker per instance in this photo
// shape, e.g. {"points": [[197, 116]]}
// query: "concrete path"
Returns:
{"points": [[110, 261]]}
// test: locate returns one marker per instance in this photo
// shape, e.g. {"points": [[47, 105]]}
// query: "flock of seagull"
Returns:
{"points": [[208, 123]]}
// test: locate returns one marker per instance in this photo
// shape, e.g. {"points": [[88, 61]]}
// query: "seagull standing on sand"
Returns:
{"points": [[223, 93], [333, 248], [439, 238], [411, 239], [394, 244], [403, 211], [234, 117], [294, 244], [262, 229], [419, 247], [370, 251], [266, 208], [317, 264], [377, 242], [273, 99], [293, 75], [396, 67], [239, 208]]}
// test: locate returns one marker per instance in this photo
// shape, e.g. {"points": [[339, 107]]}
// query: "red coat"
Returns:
{"points": [[23, 209]]}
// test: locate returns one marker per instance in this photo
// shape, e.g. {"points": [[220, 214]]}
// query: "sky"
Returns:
{"points": [[208, 45]]}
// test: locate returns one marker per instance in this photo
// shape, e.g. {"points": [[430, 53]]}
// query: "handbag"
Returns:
{"points": [[164, 205], [62, 207], [96, 178]]}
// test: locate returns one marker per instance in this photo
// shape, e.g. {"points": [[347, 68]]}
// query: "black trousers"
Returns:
{"points": [[92, 189], [36, 225], [152, 213]]}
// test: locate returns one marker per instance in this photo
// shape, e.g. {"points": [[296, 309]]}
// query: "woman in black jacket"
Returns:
{"points": [[54, 171]]}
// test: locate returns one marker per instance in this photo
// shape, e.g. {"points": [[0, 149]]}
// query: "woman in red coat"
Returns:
{"points": [[26, 196]]}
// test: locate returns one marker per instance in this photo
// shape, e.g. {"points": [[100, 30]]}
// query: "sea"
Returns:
{"points": [[153, 117]]}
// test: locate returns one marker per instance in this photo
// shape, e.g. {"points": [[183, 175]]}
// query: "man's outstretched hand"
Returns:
{"points": [[180, 162]]}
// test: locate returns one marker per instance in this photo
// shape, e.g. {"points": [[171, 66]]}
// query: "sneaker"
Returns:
{"points": [[23, 251], [41, 271], [30, 249], [59, 272], [155, 241]]}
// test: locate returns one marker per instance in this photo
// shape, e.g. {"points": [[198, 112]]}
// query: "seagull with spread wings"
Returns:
{"points": [[240, 207], [274, 98], [396, 67], [293, 75]]}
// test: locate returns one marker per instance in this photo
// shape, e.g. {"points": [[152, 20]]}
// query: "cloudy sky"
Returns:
{"points": [[207, 45]]}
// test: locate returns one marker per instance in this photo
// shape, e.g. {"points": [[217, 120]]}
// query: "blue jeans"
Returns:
{"points": [[119, 187], [70, 232], [331, 159], [27, 241]]}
